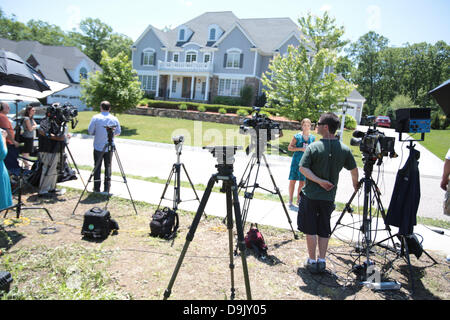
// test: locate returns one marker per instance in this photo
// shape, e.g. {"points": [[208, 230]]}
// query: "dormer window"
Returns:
{"points": [[83, 73], [182, 34], [212, 34]]}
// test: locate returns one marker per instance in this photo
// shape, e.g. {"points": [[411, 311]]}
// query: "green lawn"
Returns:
{"points": [[437, 141], [196, 133]]}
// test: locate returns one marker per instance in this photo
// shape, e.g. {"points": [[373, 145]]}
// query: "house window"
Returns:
{"points": [[191, 57], [148, 58], [207, 57], [83, 73], [174, 86], [148, 83], [230, 87], [182, 32], [176, 57], [212, 34], [233, 59]]}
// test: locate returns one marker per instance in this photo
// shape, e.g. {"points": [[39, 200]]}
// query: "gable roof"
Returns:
{"points": [[266, 33], [53, 61]]}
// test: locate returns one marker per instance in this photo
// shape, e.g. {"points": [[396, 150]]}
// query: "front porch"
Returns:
{"points": [[183, 87]]}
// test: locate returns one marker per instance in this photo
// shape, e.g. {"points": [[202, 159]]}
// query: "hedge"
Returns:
{"points": [[194, 106]]}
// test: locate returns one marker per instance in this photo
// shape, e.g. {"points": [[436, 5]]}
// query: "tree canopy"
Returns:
{"points": [[118, 84]]}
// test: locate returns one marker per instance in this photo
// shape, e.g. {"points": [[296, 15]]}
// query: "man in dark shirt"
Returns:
{"points": [[321, 164], [51, 145]]}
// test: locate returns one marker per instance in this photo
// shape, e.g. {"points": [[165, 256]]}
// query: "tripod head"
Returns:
{"points": [[225, 157], [178, 141]]}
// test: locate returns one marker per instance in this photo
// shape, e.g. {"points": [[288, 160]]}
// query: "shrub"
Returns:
{"points": [[183, 106], [242, 112], [247, 95], [201, 108], [228, 101], [222, 110], [350, 122]]}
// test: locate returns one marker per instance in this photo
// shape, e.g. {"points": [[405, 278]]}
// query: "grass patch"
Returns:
{"points": [[437, 141]]}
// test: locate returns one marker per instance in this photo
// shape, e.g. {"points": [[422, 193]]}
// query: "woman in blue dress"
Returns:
{"points": [[5, 184], [298, 145]]}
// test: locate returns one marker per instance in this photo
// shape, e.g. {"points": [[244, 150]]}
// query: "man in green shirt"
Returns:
{"points": [[321, 164]]}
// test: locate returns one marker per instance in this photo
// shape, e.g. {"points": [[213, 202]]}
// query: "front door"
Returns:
{"points": [[186, 90]]}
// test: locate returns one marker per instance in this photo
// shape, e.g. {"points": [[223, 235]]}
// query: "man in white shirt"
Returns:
{"points": [[97, 128]]}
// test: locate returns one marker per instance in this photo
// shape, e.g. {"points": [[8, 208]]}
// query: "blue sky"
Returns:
{"points": [[401, 21]]}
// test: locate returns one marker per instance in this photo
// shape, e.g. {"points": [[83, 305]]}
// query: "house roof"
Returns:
{"points": [[53, 61], [266, 33]]}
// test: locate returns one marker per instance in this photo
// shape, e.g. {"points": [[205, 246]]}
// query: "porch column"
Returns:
{"points": [[192, 87], [170, 86], [207, 88], [157, 86]]}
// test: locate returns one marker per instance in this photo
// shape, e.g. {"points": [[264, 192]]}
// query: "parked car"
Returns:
{"points": [[383, 121]]}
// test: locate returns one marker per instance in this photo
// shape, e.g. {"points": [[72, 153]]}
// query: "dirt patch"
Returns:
{"points": [[133, 265]]}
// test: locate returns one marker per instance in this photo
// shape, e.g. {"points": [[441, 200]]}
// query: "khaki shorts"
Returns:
{"points": [[447, 201]]}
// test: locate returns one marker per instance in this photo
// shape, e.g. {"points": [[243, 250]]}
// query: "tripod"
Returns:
{"points": [[255, 160], [176, 170], [19, 206], [111, 149], [225, 157], [369, 187]]}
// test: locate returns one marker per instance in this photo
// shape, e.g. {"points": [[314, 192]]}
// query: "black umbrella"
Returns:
{"points": [[442, 96], [15, 72]]}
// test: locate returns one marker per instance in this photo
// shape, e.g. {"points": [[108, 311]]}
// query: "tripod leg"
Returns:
{"points": [[280, 196], [124, 178], [74, 163], [347, 206], [190, 235], [240, 235], [192, 186], [405, 246], [97, 165], [166, 186], [230, 238]]}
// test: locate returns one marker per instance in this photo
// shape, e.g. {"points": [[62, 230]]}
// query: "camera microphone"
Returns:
{"points": [[358, 134]]}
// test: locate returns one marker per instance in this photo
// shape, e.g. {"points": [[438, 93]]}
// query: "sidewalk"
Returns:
{"points": [[157, 160]]}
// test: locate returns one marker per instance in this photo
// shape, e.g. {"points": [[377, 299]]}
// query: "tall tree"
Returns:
{"points": [[365, 54], [118, 83], [296, 83], [94, 37]]}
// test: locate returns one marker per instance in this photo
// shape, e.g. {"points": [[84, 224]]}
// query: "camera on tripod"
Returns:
{"points": [[178, 139], [61, 114], [110, 130], [374, 143], [262, 124]]}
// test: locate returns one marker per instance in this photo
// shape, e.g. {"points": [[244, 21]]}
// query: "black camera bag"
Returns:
{"points": [[98, 224], [164, 223]]}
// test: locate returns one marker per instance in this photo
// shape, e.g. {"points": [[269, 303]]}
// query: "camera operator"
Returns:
{"points": [[51, 145], [321, 164], [97, 128]]}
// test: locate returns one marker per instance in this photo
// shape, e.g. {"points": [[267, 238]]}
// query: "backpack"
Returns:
{"points": [[98, 224], [255, 240], [164, 223]]}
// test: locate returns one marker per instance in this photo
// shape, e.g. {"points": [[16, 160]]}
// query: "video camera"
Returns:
{"points": [[61, 114], [270, 129], [374, 143]]}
